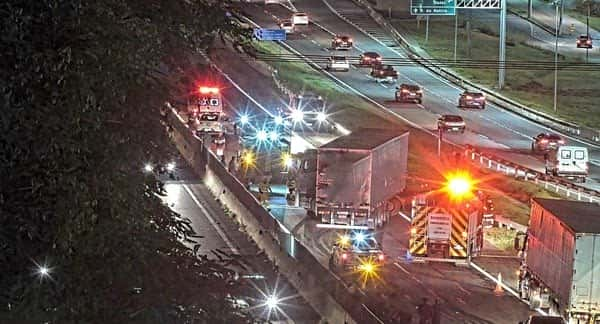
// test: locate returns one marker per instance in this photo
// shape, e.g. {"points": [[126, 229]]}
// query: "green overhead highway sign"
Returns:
{"points": [[432, 7]]}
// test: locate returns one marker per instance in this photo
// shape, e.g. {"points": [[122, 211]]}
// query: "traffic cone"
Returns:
{"points": [[499, 291]]}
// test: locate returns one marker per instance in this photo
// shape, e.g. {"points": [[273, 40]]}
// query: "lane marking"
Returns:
{"points": [[401, 268], [211, 220]]}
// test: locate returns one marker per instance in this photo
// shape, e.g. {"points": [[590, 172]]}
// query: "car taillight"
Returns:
{"points": [[344, 256], [350, 39], [381, 257], [589, 41], [420, 91], [561, 142], [379, 59], [578, 41], [338, 40], [469, 97], [366, 58], [544, 141], [404, 91]]}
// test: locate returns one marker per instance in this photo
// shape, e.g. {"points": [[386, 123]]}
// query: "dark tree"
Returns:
{"points": [[82, 83]]}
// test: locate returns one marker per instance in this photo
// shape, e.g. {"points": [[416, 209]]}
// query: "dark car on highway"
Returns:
{"points": [[369, 59], [470, 99], [584, 41], [409, 92], [544, 142], [342, 42], [451, 123]]}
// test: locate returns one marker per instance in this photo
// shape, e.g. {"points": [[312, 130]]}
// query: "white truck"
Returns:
{"points": [[560, 267], [569, 162], [348, 182]]}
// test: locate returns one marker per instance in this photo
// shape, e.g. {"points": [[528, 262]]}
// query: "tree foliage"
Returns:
{"points": [[82, 83]]}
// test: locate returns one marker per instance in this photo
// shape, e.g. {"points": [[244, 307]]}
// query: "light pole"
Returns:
{"points": [[455, 33], [556, 3], [502, 45]]}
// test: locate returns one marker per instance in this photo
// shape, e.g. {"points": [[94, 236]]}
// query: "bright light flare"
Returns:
{"points": [[244, 119], [297, 116], [459, 185], [344, 240], [321, 117], [272, 302], [273, 135], [359, 237], [207, 90], [248, 159], [262, 135], [171, 166], [278, 120], [286, 160], [148, 167]]}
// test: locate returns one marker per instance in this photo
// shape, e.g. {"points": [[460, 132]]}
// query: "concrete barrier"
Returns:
{"points": [[326, 295]]}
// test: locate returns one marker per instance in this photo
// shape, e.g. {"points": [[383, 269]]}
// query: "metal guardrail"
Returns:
{"points": [[592, 136], [552, 183]]}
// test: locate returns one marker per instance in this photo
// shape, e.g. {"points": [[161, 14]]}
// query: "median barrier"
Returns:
{"points": [[327, 295]]}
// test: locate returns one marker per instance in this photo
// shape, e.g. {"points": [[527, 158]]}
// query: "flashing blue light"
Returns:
{"points": [[273, 135], [262, 135], [244, 119], [359, 237], [278, 120]]}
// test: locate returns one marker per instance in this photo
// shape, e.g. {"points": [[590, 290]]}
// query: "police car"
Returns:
{"points": [[355, 249]]}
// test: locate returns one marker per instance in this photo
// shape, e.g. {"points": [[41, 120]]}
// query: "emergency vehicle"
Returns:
{"points": [[356, 249], [443, 228], [205, 100], [569, 162]]}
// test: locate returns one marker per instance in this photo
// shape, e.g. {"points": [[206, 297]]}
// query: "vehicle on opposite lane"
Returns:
{"points": [[544, 142], [451, 123], [471, 99], [300, 18], [409, 92], [287, 25]]}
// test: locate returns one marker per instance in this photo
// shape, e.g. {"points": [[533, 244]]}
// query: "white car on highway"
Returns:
{"points": [[300, 18], [338, 63], [288, 26]]}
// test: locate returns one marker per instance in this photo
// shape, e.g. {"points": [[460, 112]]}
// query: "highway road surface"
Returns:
{"points": [[222, 238], [494, 130]]}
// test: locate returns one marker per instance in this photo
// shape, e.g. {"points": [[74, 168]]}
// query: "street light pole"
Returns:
{"points": [[455, 33], [502, 46], [556, 57]]}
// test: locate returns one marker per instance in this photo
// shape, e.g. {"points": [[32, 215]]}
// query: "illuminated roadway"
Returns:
{"points": [[220, 237], [466, 296], [494, 130]]}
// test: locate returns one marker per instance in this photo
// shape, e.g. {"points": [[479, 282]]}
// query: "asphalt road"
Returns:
{"points": [[222, 238], [493, 129], [465, 295]]}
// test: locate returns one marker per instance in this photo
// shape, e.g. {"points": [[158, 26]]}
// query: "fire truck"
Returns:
{"points": [[207, 100], [205, 110], [444, 227]]}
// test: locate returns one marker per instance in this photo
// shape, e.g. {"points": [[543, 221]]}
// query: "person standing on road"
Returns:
{"points": [[436, 313], [263, 191], [232, 166], [424, 310]]}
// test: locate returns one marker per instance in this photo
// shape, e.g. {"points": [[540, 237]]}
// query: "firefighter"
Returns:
{"points": [[291, 185], [263, 191]]}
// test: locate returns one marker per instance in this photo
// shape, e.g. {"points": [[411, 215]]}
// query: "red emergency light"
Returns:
{"points": [[207, 90]]}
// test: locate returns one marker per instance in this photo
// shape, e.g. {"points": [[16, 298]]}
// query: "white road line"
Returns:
{"points": [[211, 221], [401, 268], [507, 288], [314, 42], [383, 85], [404, 216]]}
